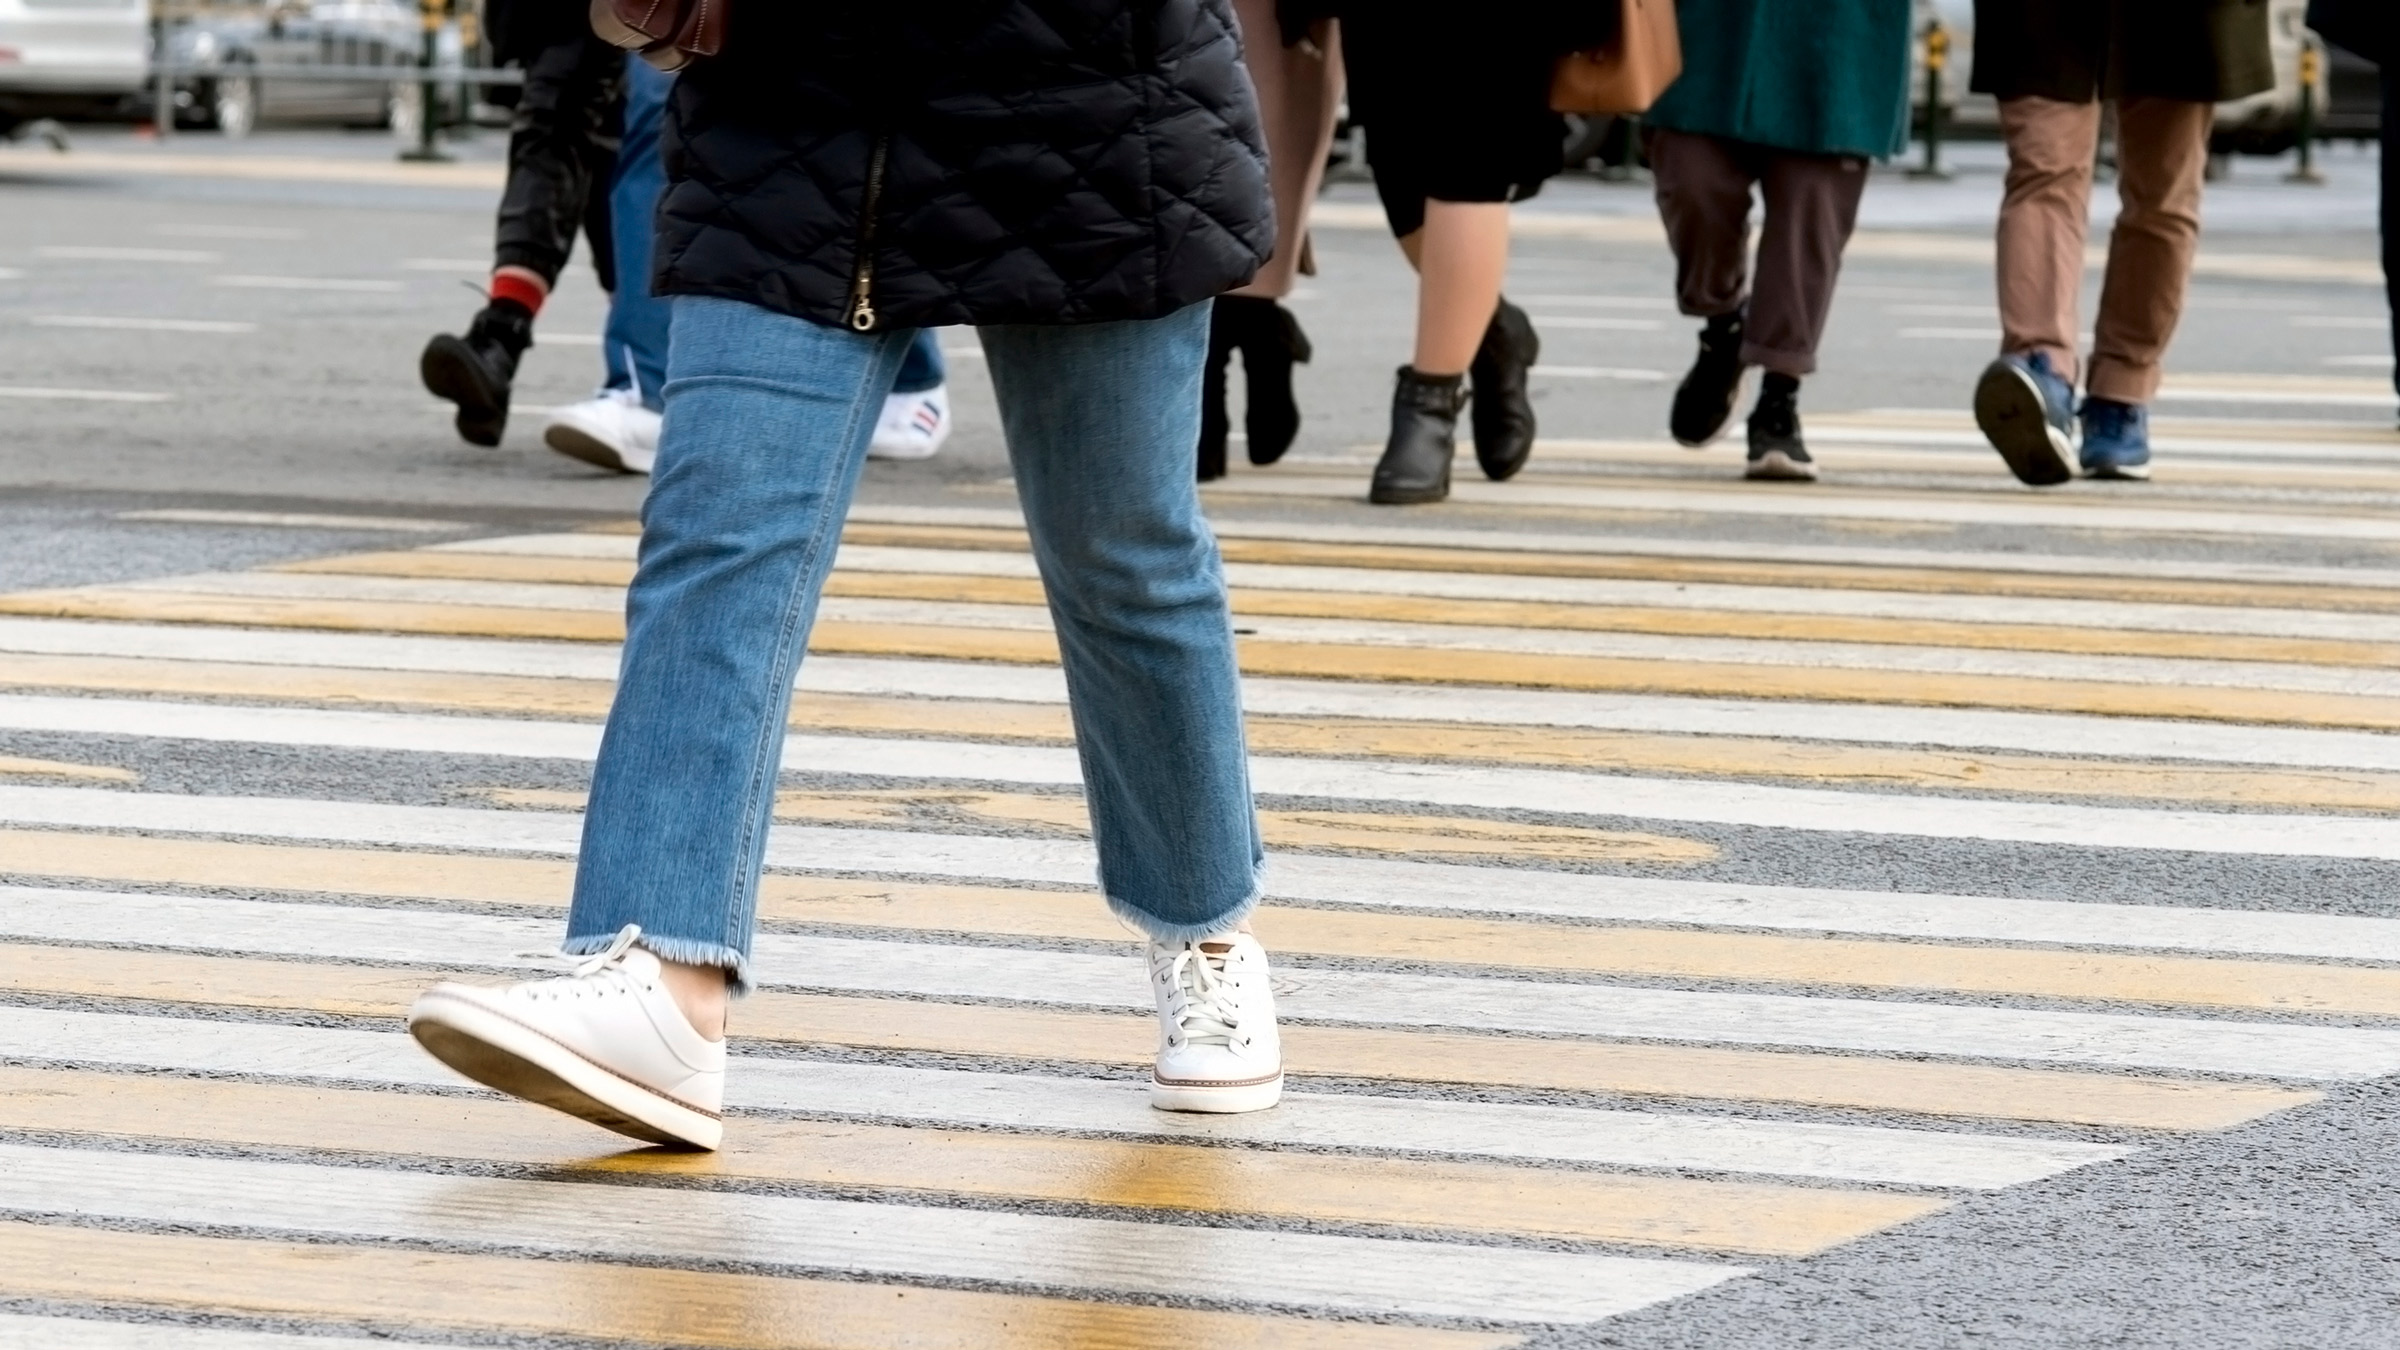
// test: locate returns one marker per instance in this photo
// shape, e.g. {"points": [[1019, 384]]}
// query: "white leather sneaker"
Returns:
{"points": [[913, 426], [611, 429], [606, 1043], [1218, 1050]]}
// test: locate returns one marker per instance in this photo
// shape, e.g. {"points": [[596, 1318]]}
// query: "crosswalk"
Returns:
{"points": [[1548, 1065]]}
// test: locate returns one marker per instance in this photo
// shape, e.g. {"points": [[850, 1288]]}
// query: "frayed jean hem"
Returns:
{"points": [[688, 951], [1150, 926]]}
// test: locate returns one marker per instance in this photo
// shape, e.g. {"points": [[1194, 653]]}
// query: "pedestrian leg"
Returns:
{"points": [[2163, 155], [618, 428], [1100, 420], [2391, 207], [1703, 187], [1299, 99], [1811, 210], [916, 414], [2025, 401]]}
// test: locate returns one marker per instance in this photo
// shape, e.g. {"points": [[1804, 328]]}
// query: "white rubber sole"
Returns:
{"points": [[508, 1056], [576, 443], [1216, 1099], [1778, 467]]}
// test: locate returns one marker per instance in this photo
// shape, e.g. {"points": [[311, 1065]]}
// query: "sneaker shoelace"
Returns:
{"points": [[602, 971], [1206, 1013]]}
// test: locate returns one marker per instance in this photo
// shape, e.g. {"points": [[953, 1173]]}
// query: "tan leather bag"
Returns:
{"points": [[1628, 75], [669, 34]]}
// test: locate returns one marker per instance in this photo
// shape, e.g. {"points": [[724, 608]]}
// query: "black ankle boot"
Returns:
{"points": [[1704, 401], [1777, 452], [475, 371], [1416, 461], [1503, 409], [1214, 425], [1271, 342]]}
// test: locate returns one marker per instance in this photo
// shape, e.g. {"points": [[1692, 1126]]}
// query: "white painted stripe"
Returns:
{"points": [[1370, 998], [1037, 1102], [2040, 733], [297, 520], [259, 283], [1688, 801], [1998, 609], [611, 547], [34, 393], [137, 324], [2052, 513], [683, 1226], [302, 647], [1599, 322], [2307, 398], [2321, 454], [74, 1333], [1536, 544], [92, 253], [1325, 880], [1630, 374]]}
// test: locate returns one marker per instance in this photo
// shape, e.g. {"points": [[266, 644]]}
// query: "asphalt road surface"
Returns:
{"points": [[1905, 911]]}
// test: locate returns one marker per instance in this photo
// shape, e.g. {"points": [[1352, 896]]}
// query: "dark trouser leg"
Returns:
{"points": [[1812, 206], [559, 156], [1703, 186]]}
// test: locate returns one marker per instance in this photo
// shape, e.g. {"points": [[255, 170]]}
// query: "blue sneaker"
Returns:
{"points": [[2116, 439], [2027, 412]]}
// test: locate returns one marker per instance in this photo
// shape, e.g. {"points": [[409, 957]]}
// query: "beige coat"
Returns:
{"points": [[1299, 92]]}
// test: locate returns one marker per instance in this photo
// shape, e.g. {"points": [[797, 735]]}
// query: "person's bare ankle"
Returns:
{"points": [[701, 992]]}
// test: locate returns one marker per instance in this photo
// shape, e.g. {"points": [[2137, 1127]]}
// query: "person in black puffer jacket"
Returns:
{"points": [[1077, 177]]}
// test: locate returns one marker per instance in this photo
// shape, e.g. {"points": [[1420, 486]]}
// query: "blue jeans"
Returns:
{"points": [[768, 421], [634, 346]]}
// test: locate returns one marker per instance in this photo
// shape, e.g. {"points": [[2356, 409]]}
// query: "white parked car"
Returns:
{"points": [[71, 58]]}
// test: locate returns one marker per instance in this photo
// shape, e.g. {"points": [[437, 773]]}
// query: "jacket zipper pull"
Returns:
{"points": [[862, 285]]}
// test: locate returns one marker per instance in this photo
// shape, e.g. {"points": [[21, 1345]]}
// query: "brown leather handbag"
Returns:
{"points": [[670, 34], [1628, 75]]}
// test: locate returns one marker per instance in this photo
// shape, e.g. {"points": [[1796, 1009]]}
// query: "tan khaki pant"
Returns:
{"points": [[1704, 186], [1299, 93], [2162, 150]]}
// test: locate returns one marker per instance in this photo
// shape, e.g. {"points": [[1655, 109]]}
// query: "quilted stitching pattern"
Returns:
{"points": [[1051, 161]]}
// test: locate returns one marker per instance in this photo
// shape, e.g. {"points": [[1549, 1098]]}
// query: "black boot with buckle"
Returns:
{"points": [[1503, 412], [1415, 466]]}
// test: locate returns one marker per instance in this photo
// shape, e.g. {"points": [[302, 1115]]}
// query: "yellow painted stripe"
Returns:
{"points": [[1813, 762], [1848, 1082], [12, 766], [1551, 615], [1603, 565], [1417, 1195], [437, 1292], [1307, 660]]}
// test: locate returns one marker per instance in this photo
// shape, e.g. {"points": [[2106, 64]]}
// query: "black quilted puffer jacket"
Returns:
{"points": [[911, 163]]}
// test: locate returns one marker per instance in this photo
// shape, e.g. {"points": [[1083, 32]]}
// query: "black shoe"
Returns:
{"points": [[1503, 409], [1271, 342], [1214, 426], [1777, 454], [1416, 461], [474, 372], [1704, 401]]}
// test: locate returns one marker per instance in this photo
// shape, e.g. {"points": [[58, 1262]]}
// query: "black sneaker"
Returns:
{"points": [[1777, 454], [475, 371], [1704, 401]]}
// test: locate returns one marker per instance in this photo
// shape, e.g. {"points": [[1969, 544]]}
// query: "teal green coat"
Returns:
{"points": [[1825, 77]]}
